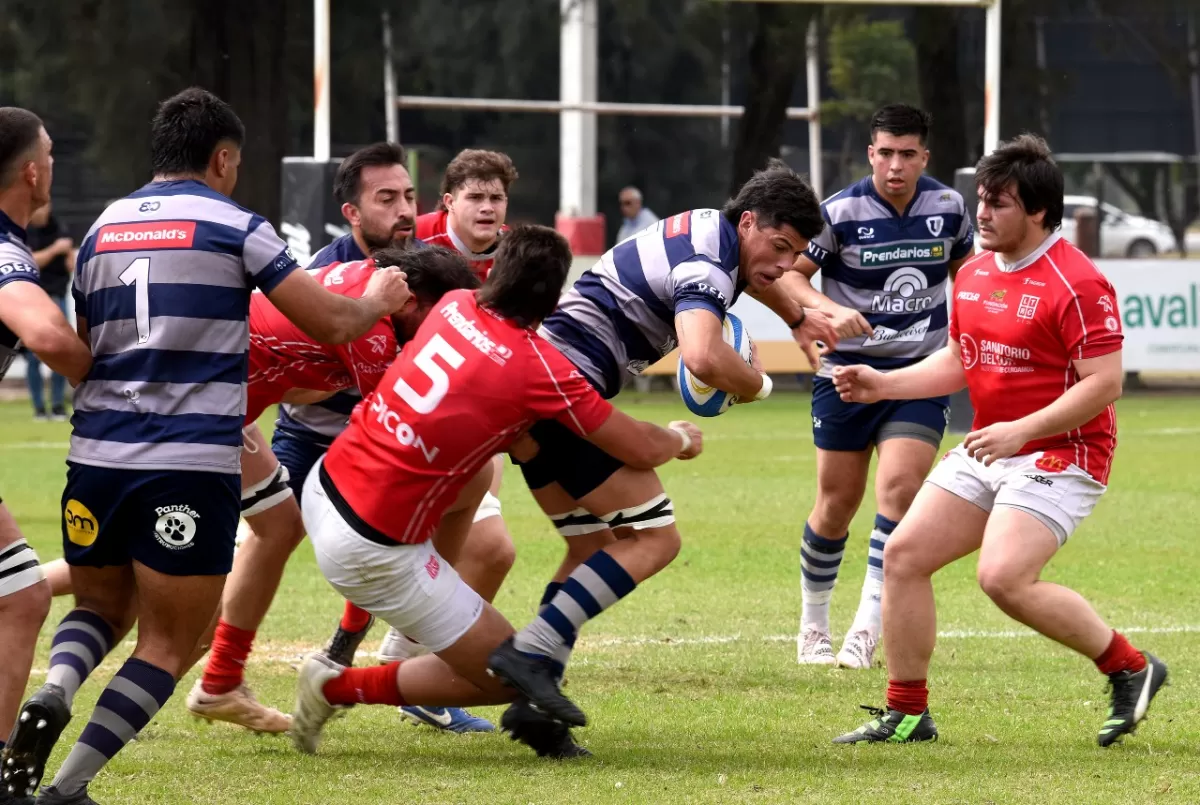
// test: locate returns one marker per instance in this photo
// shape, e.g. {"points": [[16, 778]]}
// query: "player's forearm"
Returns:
{"points": [[344, 319], [799, 292], [1078, 405], [60, 348], [724, 369], [939, 374], [657, 446]]}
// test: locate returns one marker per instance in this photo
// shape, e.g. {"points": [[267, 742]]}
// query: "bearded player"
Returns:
{"points": [[1036, 339]]}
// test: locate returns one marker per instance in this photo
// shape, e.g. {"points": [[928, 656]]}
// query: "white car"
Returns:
{"points": [[1122, 234]]}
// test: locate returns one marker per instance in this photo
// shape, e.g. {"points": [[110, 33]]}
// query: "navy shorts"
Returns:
{"points": [[841, 425], [298, 455], [569, 460], [176, 522]]}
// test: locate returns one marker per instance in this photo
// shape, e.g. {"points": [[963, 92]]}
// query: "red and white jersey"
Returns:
{"points": [[283, 358], [464, 388], [434, 229], [1020, 327]]}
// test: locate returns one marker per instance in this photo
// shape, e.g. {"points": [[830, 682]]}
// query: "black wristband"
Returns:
{"points": [[798, 321]]}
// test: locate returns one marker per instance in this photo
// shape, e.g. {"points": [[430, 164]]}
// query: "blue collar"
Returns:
{"points": [[873, 192], [7, 227]]}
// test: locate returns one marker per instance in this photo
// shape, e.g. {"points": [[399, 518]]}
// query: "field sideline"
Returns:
{"points": [[691, 685]]}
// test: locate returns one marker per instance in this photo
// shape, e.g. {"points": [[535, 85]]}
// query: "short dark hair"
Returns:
{"points": [[347, 183], [1026, 162], [778, 195], [900, 119], [527, 278], [19, 131], [474, 164], [432, 272], [187, 129]]}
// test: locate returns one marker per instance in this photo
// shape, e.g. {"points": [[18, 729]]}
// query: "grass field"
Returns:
{"points": [[691, 685]]}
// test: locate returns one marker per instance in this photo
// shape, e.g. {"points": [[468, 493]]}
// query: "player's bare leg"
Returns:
{"points": [[841, 483], [104, 612], [899, 473], [221, 693], [58, 576], [642, 517], [24, 604], [583, 533], [487, 555], [173, 612]]}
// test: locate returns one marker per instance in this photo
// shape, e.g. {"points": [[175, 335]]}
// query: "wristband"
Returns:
{"points": [[687, 440], [798, 322], [765, 391]]}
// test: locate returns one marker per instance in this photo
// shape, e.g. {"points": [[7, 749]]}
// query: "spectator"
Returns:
{"points": [[634, 216], [54, 254]]}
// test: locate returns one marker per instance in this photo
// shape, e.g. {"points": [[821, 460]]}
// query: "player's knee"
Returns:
{"points": [[896, 492], [1001, 583], [496, 548], [834, 510], [903, 557], [30, 604]]}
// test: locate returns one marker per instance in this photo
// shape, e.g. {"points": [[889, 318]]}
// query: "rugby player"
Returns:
{"points": [[1035, 337], [890, 243], [414, 464], [150, 508], [670, 284], [29, 318]]}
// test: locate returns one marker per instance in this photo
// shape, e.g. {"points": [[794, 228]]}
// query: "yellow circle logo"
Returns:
{"points": [[82, 525]]}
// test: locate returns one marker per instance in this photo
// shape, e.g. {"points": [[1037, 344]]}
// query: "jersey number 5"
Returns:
{"points": [[439, 380], [138, 275]]}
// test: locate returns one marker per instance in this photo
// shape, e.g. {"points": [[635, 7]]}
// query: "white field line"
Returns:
{"points": [[39, 445]]}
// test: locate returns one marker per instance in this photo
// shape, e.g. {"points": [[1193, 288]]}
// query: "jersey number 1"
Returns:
{"points": [[439, 380], [138, 275]]}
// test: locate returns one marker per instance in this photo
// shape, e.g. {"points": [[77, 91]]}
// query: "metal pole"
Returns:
{"points": [[1043, 89], [577, 127], [813, 75], [594, 107], [991, 85], [726, 79], [321, 79], [1194, 61], [389, 82]]}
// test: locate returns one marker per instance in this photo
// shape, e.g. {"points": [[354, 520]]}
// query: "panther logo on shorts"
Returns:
{"points": [[176, 526]]}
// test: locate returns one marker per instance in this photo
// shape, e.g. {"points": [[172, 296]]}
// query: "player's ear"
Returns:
{"points": [[446, 199], [350, 213], [747, 221]]}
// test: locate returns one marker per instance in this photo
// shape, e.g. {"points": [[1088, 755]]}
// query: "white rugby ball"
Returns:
{"points": [[703, 400]]}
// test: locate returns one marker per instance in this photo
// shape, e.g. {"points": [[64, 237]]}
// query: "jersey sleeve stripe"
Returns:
{"points": [[558, 388], [1075, 299]]}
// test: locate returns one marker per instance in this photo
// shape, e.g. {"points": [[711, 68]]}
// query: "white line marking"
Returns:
{"points": [[40, 445]]}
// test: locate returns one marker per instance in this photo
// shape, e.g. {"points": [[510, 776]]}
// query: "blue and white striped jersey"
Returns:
{"points": [[16, 265], [891, 268], [620, 315], [163, 279]]}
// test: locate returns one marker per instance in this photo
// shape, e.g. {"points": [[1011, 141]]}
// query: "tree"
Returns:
{"points": [[775, 56], [871, 63]]}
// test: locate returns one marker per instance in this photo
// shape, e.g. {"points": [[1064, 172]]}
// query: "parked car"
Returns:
{"points": [[1122, 234]]}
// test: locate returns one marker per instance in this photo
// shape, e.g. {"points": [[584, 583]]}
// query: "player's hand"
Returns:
{"points": [[817, 326], [389, 287], [755, 363], [859, 383], [996, 441], [849, 322], [694, 434], [62, 246]]}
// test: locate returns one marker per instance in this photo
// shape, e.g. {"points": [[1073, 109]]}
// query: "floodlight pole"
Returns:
{"points": [[321, 79], [578, 61], [812, 71], [392, 126]]}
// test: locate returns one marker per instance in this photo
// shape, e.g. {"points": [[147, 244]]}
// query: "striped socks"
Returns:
{"points": [[82, 640], [820, 559], [870, 612], [593, 587], [124, 709]]}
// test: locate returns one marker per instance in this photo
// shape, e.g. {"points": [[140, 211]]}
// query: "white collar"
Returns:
{"points": [[462, 247], [1031, 258]]}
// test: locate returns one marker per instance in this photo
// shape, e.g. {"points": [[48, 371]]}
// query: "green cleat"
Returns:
{"points": [[1131, 697], [893, 726]]}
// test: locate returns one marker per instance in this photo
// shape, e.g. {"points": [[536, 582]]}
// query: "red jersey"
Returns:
{"points": [[434, 229], [283, 358], [464, 388], [1021, 327]]}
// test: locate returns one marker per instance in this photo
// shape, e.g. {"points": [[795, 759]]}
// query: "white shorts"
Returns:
{"points": [[488, 507], [410, 587], [1059, 499]]}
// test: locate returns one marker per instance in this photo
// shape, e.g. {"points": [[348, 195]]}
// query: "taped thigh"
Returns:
{"points": [[267, 493], [19, 568], [577, 523], [654, 513]]}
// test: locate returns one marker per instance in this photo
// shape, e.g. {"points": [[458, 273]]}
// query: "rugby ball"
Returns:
{"points": [[704, 400]]}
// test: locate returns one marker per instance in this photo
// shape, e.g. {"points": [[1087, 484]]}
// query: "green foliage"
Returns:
{"points": [[871, 63]]}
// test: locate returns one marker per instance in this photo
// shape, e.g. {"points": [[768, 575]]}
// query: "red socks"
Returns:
{"points": [[910, 698], [376, 684], [1120, 656], [355, 619], [227, 662]]}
